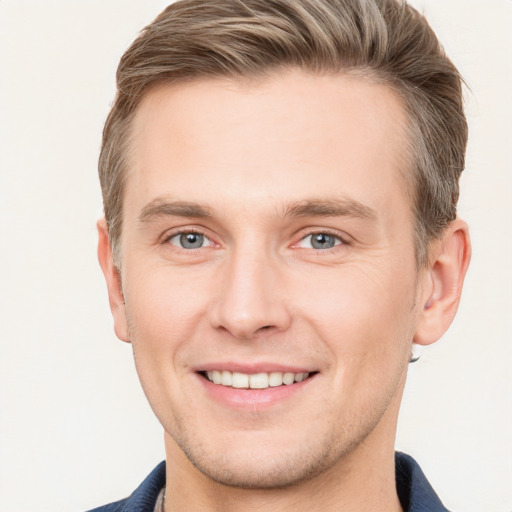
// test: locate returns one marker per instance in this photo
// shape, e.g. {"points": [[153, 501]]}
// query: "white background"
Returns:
{"points": [[75, 427]]}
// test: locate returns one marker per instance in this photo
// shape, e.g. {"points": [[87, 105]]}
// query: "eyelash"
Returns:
{"points": [[167, 239], [341, 240]]}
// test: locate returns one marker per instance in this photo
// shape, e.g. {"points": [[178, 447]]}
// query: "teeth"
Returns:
{"points": [[288, 378], [240, 380], [255, 380], [215, 376], [275, 379], [258, 381], [226, 379]]}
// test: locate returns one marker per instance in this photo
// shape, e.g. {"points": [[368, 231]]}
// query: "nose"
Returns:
{"points": [[251, 296]]}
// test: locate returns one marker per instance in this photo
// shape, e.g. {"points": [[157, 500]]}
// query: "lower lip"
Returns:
{"points": [[251, 398]]}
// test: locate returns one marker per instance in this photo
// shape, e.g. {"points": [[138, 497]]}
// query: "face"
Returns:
{"points": [[268, 272]]}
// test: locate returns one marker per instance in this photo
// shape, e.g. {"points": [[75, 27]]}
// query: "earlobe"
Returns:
{"points": [[113, 280], [443, 283]]}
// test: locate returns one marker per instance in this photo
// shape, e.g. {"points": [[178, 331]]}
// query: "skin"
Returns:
{"points": [[261, 167]]}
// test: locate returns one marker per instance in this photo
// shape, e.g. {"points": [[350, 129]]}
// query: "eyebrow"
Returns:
{"points": [[163, 206], [331, 208]]}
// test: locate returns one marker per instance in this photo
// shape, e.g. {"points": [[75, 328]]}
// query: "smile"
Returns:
{"points": [[255, 380]]}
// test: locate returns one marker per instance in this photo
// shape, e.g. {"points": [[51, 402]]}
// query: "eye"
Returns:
{"points": [[190, 240], [320, 241]]}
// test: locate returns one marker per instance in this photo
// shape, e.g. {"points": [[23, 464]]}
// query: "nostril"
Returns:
{"points": [[265, 328]]}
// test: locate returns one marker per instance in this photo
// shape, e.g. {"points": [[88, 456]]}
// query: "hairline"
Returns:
{"points": [[407, 170]]}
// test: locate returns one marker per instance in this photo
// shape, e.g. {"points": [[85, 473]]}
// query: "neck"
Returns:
{"points": [[363, 480]]}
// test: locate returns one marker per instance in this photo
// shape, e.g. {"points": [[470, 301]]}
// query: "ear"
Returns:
{"points": [[113, 279], [443, 280]]}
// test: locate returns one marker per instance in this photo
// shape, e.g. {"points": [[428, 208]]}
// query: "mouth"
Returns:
{"points": [[260, 380]]}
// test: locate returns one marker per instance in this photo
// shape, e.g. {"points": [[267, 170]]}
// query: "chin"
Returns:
{"points": [[246, 474], [259, 468]]}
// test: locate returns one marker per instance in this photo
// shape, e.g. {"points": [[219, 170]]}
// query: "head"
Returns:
{"points": [[280, 180], [385, 41]]}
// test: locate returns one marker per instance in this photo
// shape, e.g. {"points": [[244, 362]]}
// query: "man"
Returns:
{"points": [[280, 181]]}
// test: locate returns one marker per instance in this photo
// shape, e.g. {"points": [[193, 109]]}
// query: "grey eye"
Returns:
{"points": [[189, 240], [320, 241]]}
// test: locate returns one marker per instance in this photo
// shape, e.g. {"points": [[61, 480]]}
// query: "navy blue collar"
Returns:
{"points": [[414, 491], [143, 499]]}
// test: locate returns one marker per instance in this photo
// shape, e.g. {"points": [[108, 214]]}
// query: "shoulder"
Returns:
{"points": [[415, 492], [143, 499], [117, 506]]}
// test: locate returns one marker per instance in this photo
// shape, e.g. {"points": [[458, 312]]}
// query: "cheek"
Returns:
{"points": [[365, 324], [361, 311], [163, 313], [164, 310]]}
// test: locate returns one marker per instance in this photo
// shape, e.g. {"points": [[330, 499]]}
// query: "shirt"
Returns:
{"points": [[414, 491]]}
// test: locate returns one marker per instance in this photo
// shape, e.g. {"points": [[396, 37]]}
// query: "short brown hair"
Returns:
{"points": [[387, 40]]}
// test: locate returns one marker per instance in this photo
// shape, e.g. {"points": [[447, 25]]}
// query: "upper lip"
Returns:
{"points": [[251, 369]]}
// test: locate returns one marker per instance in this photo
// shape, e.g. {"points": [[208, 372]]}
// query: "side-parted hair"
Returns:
{"points": [[381, 40]]}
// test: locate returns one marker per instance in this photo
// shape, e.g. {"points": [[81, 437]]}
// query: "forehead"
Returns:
{"points": [[293, 133]]}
